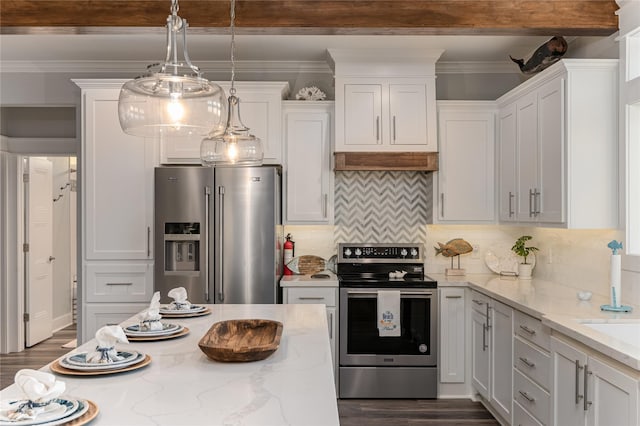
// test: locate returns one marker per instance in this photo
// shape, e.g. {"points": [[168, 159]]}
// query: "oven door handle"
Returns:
{"points": [[368, 294]]}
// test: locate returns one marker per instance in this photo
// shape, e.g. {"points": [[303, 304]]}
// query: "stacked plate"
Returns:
{"points": [[76, 364], [60, 411], [169, 331], [193, 311]]}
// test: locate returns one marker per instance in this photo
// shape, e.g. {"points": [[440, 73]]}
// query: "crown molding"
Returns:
{"points": [[132, 68]]}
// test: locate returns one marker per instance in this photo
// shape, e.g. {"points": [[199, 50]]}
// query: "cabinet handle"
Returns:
{"points": [[118, 283], [442, 205], [148, 241], [453, 297], [587, 373], [527, 362], [325, 199], [394, 128], [310, 298], [531, 208], [484, 338], [488, 318], [536, 202], [477, 302], [220, 254], [330, 325], [511, 195], [527, 330], [578, 368], [526, 396], [377, 128], [207, 247]]}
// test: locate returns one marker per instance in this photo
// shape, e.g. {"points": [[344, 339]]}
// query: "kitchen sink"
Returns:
{"points": [[627, 331]]}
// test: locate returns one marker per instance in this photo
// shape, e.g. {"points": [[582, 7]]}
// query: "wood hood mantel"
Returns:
{"points": [[398, 161]]}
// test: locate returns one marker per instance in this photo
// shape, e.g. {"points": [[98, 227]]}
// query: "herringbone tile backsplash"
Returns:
{"points": [[382, 207]]}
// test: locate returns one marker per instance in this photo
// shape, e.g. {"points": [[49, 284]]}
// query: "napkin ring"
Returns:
{"points": [[104, 353]]}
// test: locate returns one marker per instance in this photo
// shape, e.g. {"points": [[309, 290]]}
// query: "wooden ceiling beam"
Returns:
{"points": [[508, 17]]}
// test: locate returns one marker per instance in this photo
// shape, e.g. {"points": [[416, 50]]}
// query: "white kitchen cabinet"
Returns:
{"points": [[327, 296], [452, 334], [261, 111], [117, 190], [465, 179], [558, 122], [117, 211], [98, 315], [308, 177], [531, 370], [385, 100], [590, 390], [492, 351]]}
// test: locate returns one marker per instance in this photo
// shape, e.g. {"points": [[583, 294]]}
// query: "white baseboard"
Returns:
{"points": [[63, 321]]}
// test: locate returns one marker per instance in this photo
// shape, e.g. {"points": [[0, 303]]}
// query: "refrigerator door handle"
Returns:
{"points": [[219, 254], [207, 199]]}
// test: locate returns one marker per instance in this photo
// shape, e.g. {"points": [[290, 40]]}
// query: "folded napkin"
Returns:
{"points": [[388, 313], [149, 319], [179, 296], [39, 388], [106, 352]]}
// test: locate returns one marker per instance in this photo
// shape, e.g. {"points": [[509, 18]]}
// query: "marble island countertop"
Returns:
{"points": [[293, 386], [559, 308]]}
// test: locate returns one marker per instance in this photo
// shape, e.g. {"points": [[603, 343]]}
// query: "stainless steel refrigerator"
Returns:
{"points": [[218, 233]]}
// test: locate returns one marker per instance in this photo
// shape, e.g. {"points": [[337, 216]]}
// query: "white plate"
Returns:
{"points": [[194, 309], [77, 364], [132, 330], [60, 410], [503, 260]]}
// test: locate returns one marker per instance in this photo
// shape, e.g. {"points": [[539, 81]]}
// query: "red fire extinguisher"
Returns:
{"points": [[288, 254]]}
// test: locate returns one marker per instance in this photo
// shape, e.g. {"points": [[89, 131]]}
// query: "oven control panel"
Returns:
{"points": [[379, 253]]}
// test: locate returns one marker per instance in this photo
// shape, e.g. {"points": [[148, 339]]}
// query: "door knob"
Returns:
{"points": [[51, 258]]}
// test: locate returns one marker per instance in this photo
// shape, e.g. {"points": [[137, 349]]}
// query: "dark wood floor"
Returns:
{"points": [[36, 356], [400, 412], [353, 412]]}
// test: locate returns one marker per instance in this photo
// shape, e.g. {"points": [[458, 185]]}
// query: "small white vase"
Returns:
{"points": [[524, 271]]}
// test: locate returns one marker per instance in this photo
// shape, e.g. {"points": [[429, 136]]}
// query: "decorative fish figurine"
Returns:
{"points": [[615, 246], [546, 55], [454, 247]]}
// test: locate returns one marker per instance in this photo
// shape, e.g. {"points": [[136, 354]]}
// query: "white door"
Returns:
{"points": [[408, 111], [39, 236], [613, 394], [480, 354], [568, 384], [527, 149], [507, 157], [363, 114], [501, 324]]}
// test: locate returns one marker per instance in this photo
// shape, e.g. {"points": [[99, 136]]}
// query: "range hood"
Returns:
{"points": [[398, 161]]}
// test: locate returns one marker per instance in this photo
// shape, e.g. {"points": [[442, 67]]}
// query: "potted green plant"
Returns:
{"points": [[520, 248]]}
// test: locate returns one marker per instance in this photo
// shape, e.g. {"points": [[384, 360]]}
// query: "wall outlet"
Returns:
{"points": [[475, 254], [550, 255]]}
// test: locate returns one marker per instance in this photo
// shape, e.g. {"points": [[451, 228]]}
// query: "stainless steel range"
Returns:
{"points": [[375, 366]]}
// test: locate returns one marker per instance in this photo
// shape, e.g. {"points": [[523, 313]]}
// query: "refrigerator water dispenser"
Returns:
{"points": [[182, 247]]}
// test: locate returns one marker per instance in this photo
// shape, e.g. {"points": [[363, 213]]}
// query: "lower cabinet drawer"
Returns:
{"points": [[531, 397], [522, 418], [97, 315], [118, 282], [532, 329], [326, 295], [533, 362]]}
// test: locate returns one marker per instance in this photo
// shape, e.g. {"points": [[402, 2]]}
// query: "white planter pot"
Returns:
{"points": [[524, 271]]}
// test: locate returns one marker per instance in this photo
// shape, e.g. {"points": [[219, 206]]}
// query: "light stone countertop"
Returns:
{"points": [[558, 307], [181, 386], [307, 281]]}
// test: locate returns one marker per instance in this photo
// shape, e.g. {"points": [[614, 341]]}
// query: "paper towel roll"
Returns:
{"points": [[614, 280]]}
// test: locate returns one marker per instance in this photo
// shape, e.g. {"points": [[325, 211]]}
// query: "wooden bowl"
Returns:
{"points": [[241, 340]]}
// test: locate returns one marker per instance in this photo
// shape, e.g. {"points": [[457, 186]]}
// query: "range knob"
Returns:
{"points": [[358, 252], [403, 252], [414, 252], [347, 252]]}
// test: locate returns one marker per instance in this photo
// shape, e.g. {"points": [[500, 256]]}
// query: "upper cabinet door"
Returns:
{"points": [[550, 200], [508, 182], [118, 184], [408, 114], [527, 148], [363, 114]]}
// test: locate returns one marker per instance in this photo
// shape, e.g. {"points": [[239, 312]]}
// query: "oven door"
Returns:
{"points": [[360, 342]]}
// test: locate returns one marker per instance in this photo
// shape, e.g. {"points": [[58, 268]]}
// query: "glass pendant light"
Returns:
{"points": [[235, 146], [172, 98]]}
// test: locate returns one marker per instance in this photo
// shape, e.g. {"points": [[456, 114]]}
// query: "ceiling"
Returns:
{"points": [[112, 31]]}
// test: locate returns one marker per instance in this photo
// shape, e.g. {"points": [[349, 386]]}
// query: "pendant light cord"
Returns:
{"points": [[232, 91]]}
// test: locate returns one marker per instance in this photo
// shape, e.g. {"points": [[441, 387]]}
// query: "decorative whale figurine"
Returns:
{"points": [[546, 55]]}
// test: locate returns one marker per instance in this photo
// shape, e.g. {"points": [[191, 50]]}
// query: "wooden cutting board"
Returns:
{"points": [[307, 264]]}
